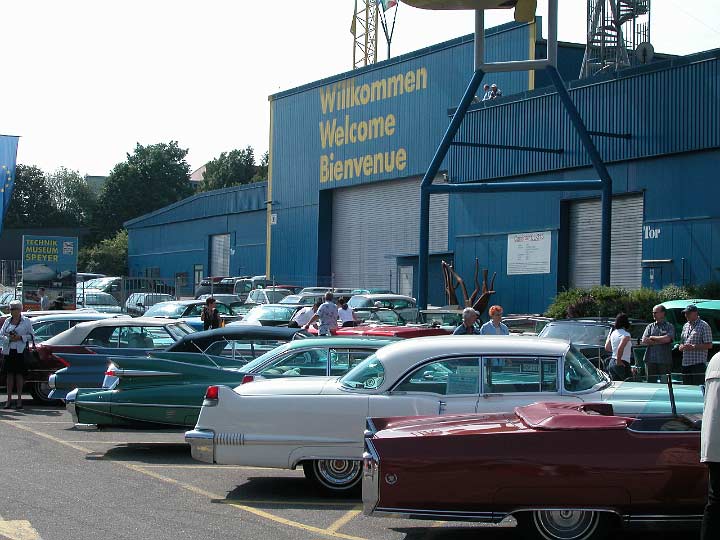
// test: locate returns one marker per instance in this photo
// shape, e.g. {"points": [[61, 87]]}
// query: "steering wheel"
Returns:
{"points": [[371, 383]]}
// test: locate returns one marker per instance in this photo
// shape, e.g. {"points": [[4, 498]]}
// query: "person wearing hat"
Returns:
{"points": [[17, 331], [495, 92], [469, 316], [695, 342]]}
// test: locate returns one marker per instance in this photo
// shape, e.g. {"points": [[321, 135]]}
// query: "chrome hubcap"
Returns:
{"points": [[566, 524], [339, 472]]}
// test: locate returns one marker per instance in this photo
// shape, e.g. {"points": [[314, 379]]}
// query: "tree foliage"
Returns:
{"points": [[31, 204], [153, 176], [234, 168], [109, 256], [73, 199]]}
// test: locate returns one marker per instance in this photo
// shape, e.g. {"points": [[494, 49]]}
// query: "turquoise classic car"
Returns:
{"points": [[167, 390]]}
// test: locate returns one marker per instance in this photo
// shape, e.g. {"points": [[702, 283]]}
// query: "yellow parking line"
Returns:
{"points": [[198, 491], [125, 443], [46, 436], [344, 520]]}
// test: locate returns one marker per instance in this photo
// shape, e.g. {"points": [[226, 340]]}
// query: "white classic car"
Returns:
{"points": [[319, 421]]}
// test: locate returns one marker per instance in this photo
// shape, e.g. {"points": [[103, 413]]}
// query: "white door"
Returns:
{"points": [[626, 242], [374, 223], [439, 387], [405, 280], [220, 255]]}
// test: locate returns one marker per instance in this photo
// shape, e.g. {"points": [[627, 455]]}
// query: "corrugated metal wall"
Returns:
{"points": [[434, 78], [666, 108], [176, 238]]}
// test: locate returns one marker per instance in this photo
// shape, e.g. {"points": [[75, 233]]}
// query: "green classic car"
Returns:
{"points": [[167, 390]]}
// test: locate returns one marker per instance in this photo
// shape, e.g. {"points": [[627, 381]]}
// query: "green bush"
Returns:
{"points": [[609, 301]]}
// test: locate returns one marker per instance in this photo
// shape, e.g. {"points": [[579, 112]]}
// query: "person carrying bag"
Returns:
{"points": [[17, 333]]}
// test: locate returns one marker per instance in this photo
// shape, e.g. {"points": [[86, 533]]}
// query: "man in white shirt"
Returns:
{"points": [[303, 316], [710, 449], [328, 315]]}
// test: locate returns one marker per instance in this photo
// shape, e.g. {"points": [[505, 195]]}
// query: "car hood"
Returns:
{"points": [[651, 398], [295, 386]]}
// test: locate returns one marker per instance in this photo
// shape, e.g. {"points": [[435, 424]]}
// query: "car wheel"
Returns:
{"points": [[40, 392], [565, 524], [334, 476]]}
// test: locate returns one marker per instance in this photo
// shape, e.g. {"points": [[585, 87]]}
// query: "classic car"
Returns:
{"points": [[386, 330], [271, 295], [589, 335], [167, 389], [237, 345], [47, 326], [99, 301], [304, 299], [106, 336], [189, 310], [138, 303], [250, 425], [589, 472], [268, 315], [342, 291]]}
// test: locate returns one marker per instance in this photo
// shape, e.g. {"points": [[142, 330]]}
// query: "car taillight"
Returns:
{"points": [[111, 373], [247, 379], [212, 392]]}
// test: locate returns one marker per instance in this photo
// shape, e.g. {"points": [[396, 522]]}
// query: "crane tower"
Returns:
{"points": [[364, 29], [618, 35]]}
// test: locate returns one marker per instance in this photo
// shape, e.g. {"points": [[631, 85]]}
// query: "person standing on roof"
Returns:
{"points": [[495, 326], [327, 313]]}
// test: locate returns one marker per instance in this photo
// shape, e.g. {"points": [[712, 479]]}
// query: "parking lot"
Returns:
{"points": [[59, 483]]}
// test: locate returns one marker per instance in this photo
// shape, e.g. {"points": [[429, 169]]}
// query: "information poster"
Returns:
{"points": [[49, 264], [529, 253]]}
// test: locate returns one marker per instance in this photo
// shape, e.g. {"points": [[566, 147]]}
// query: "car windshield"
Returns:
{"points": [[270, 313], [368, 374], [166, 309], [179, 329], [580, 374], [576, 332]]}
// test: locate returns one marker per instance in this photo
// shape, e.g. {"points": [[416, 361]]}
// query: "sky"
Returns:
{"points": [[85, 80]]}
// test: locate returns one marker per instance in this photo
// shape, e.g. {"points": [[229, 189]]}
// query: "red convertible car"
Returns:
{"points": [[557, 471]]}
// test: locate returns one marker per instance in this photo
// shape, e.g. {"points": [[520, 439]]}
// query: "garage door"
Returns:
{"points": [[374, 223], [626, 242], [220, 255]]}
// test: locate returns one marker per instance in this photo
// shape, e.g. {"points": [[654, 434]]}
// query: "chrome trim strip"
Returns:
{"points": [[483, 517], [141, 373], [661, 517], [70, 405], [130, 404], [316, 457], [51, 381]]}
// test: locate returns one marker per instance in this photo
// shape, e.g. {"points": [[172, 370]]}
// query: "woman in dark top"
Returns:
{"points": [[210, 315]]}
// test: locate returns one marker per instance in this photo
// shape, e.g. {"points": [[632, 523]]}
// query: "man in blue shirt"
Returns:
{"points": [[495, 327], [468, 327]]}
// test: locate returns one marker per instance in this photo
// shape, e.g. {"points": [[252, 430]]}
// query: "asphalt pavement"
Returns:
{"points": [[58, 483]]}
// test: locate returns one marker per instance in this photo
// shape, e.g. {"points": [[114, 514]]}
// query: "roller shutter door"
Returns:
{"points": [[374, 223], [626, 242], [220, 255]]}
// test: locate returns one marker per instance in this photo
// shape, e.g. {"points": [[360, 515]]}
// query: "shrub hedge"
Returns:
{"points": [[609, 301]]}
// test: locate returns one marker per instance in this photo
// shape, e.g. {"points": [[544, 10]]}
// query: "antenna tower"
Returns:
{"points": [[618, 35], [364, 30]]}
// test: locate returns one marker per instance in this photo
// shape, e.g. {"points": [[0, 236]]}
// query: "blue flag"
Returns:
{"points": [[8, 157]]}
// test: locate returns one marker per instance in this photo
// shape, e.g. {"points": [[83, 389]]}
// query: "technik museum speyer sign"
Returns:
{"points": [[49, 262]]}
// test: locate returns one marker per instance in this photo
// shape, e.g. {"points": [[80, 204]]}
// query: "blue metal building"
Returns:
{"points": [[347, 155], [217, 233]]}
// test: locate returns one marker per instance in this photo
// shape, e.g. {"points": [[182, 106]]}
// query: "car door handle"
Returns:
{"points": [[492, 395], [442, 405]]}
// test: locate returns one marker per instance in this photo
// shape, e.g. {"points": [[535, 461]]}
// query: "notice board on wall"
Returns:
{"points": [[529, 253]]}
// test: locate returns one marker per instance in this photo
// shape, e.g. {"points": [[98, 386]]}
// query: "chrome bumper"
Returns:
{"points": [[370, 482], [202, 444], [51, 381], [70, 405]]}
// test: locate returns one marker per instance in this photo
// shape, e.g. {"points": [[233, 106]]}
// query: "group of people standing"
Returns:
{"points": [[327, 313], [494, 327], [658, 337]]}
